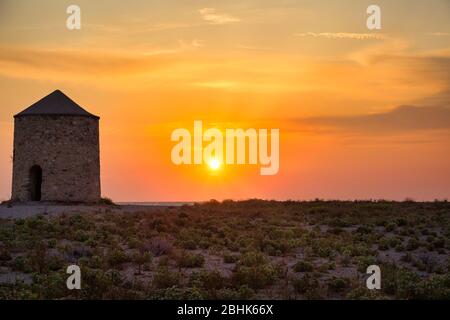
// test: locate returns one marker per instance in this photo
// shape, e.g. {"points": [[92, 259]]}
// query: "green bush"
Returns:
{"points": [[37, 257], [307, 284], [141, 258], [241, 293], [256, 277], [189, 260], [390, 226], [189, 244], [106, 201], [5, 255], [362, 293], [338, 284], [364, 261], [164, 278], [21, 263], [366, 229], [50, 286], [399, 282], [383, 244], [251, 259], [303, 266], [230, 258], [116, 257], [210, 280], [436, 287], [412, 244], [174, 293], [55, 262]]}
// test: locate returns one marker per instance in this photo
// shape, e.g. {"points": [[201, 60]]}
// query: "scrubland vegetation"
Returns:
{"points": [[233, 250]]}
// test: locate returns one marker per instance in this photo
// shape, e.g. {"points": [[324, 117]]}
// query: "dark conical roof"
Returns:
{"points": [[56, 103]]}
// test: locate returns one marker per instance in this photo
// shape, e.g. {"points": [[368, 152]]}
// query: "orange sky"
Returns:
{"points": [[359, 117]]}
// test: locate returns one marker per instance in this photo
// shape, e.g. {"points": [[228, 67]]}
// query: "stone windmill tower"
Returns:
{"points": [[56, 152]]}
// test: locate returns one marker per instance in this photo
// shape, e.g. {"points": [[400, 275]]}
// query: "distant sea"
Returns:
{"points": [[165, 204]]}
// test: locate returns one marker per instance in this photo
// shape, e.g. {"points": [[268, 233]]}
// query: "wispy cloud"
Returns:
{"points": [[400, 119], [217, 84], [210, 15], [23, 62], [439, 34], [253, 48], [343, 35], [75, 64], [195, 43]]}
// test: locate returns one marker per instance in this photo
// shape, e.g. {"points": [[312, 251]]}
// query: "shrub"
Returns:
{"points": [[412, 244], [338, 284], [241, 293], [101, 285], [174, 293], [383, 244], [117, 257], [188, 260], [209, 280], [436, 287], [439, 243], [55, 262], [159, 246], [335, 230], [94, 262], [362, 293], [390, 226], [81, 236], [38, 257], [163, 279], [250, 259], [141, 258], [364, 261], [49, 286], [5, 254], [346, 259], [305, 284], [407, 258], [21, 263], [364, 229], [399, 281], [402, 222], [230, 258], [256, 277], [163, 261], [107, 201], [303, 266], [189, 244]]}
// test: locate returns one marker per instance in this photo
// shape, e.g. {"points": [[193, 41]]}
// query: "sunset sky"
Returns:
{"points": [[362, 114]]}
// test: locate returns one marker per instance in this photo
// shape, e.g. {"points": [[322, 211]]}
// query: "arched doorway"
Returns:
{"points": [[35, 183]]}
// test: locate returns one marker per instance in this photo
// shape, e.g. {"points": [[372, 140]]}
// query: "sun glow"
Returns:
{"points": [[214, 164]]}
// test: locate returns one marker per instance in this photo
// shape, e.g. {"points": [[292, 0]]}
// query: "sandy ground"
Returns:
{"points": [[20, 211]]}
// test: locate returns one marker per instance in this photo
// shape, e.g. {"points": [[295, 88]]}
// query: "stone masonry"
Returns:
{"points": [[65, 147]]}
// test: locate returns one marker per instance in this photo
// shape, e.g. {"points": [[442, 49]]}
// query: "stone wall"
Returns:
{"points": [[67, 150]]}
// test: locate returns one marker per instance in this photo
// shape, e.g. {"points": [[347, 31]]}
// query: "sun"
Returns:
{"points": [[214, 164]]}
